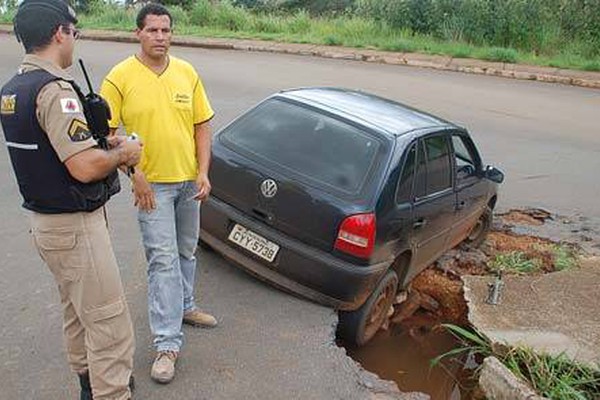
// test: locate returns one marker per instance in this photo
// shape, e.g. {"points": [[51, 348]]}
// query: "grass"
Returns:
{"points": [[558, 257], [500, 54], [591, 66], [515, 262], [564, 257], [552, 376], [472, 342], [227, 21]]}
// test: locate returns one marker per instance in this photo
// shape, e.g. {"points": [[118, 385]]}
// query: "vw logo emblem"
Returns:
{"points": [[268, 188]]}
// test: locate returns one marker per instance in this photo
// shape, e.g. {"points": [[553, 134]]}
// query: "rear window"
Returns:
{"points": [[320, 148]]}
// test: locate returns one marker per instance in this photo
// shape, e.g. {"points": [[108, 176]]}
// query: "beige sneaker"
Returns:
{"points": [[198, 318], [163, 368]]}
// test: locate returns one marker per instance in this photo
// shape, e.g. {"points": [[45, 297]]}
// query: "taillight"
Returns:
{"points": [[357, 235]]}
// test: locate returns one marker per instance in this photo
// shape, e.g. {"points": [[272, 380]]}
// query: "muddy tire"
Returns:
{"points": [[357, 327], [481, 229]]}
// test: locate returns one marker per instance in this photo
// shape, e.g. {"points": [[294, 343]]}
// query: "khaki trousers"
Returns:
{"points": [[97, 326]]}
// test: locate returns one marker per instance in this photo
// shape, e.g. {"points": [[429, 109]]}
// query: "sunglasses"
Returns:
{"points": [[71, 31]]}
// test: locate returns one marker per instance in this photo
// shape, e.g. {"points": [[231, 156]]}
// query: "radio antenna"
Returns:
{"points": [[87, 78]]}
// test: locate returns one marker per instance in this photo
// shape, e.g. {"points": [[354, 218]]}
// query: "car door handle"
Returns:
{"points": [[461, 205], [419, 223]]}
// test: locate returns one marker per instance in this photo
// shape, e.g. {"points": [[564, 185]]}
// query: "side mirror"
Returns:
{"points": [[493, 174]]}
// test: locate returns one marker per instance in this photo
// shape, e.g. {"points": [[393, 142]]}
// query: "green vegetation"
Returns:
{"points": [[554, 377], [558, 33], [472, 342], [501, 54], [539, 258], [564, 257], [514, 262]]}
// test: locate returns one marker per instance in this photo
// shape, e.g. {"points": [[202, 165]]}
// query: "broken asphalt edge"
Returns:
{"points": [[378, 387], [499, 383], [444, 63]]}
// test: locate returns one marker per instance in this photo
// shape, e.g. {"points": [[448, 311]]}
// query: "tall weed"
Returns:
{"points": [[202, 13], [104, 15], [267, 24], [230, 17], [300, 22], [180, 16]]}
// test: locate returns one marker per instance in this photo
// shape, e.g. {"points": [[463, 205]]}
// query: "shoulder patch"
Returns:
{"points": [[8, 104], [70, 106], [64, 85], [79, 131]]}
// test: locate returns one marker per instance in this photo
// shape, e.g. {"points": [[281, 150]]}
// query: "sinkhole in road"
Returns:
{"points": [[403, 354], [402, 351], [413, 336]]}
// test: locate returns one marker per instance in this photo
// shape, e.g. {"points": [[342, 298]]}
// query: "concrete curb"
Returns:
{"points": [[445, 63], [499, 383]]}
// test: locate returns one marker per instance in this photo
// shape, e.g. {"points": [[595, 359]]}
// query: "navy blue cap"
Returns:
{"points": [[34, 17]]}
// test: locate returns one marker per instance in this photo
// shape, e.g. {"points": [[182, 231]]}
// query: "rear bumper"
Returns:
{"points": [[299, 268]]}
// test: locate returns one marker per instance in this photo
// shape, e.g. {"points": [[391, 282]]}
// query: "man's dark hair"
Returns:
{"points": [[36, 21], [152, 9]]}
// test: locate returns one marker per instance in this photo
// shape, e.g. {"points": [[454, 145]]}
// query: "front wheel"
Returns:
{"points": [[359, 326]]}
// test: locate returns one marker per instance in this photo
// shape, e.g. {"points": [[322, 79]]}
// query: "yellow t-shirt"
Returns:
{"points": [[161, 110]]}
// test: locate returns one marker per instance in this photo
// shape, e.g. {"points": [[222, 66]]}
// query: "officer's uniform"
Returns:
{"points": [[43, 122]]}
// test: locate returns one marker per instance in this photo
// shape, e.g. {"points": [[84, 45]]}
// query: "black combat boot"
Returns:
{"points": [[131, 384], [86, 387]]}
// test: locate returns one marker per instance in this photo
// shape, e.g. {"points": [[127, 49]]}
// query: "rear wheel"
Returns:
{"points": [[359, 326], [481, 229]]}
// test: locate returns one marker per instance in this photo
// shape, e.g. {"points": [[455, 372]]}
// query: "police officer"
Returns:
{"points": [[65, 180]]}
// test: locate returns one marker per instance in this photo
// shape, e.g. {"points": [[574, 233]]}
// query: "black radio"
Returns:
{"points": [[97, 112]]}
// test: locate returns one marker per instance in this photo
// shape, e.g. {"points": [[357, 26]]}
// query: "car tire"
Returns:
{"points": [[358, 327], [481, 229]]}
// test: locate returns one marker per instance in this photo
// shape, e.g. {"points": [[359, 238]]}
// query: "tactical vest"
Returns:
{"points": [[44, 181]]}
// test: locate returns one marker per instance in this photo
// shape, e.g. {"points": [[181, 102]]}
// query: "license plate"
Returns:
{"points": [[253, 242]]}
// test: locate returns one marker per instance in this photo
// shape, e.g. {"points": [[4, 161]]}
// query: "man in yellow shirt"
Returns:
{"points": [[162, 99]]}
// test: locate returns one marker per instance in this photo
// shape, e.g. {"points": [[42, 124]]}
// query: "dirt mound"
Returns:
{"points": [[528, 216], [506, 241], [447, 291]]}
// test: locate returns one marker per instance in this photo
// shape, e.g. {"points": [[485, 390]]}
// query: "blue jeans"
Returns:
{"points": [[170, 236]]}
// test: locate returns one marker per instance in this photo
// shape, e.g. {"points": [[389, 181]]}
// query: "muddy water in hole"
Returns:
{"points": [[403, 353]]}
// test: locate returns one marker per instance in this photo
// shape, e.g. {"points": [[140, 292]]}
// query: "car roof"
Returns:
{"points": [[387, 115]]}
